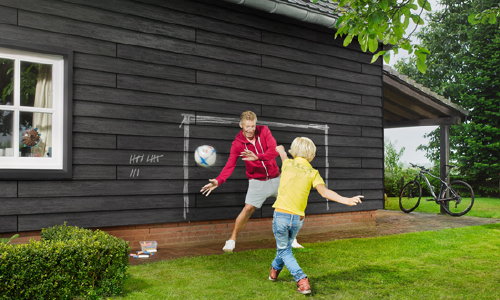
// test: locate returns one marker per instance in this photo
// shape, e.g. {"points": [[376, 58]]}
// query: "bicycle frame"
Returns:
{"points": [[423, 174]]}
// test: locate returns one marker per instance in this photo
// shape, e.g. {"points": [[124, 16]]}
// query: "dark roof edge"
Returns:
{"points": [[289, 10], [423, 90]]}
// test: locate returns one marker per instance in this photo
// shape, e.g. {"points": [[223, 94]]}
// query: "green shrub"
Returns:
{"points": [[394, 181], [68, 262]]}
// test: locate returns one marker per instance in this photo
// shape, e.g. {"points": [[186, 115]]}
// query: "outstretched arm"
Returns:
{"points": [[281, 151], [209, 187], [269, 152], [224, 174], [333, 196]]}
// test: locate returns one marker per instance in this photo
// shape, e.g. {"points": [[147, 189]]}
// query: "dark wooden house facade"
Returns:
{"points": [[150, 80]]}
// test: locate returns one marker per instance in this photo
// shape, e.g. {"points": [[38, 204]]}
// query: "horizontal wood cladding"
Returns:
{"points": [[372, 132], [82, 76], [217, 213], [99, 16], [146, 99], [254, 47], [170, 172], [106, 33], [339, 71], [124, 66], [93, 172], [116, 126], [41, 37], [336, 107], [8, 188], [173, 16], [8, 15], [216, 199], [89, 140], [314, 47], [124, 157], [264, 85], [349, 87], [42, 205], [213, 65], [105, 110], [331, 118], [373, 163], [140, 67], [101, 219], [98, 188], [8, 224], [371, 100], [210, 91], [260, 20]]}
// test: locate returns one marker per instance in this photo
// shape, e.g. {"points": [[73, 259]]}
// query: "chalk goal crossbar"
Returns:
{"points": [[188, 119]]}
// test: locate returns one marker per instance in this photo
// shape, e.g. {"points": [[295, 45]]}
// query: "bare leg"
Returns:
{"points": [[242, 220]]}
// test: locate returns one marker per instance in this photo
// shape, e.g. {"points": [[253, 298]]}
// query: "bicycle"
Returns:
{"points": [[455, 198]]}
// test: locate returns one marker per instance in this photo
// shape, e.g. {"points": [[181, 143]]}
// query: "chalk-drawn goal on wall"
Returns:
{"points": [[191, 119]]}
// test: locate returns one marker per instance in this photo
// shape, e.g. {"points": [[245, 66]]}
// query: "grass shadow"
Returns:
{"points": [[135, 284], [337, 282]]}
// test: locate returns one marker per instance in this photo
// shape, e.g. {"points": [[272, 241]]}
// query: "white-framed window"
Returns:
{"points": [[32, 108]]}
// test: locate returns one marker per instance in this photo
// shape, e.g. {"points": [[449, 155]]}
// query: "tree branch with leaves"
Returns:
{"points": [[385, 21]]}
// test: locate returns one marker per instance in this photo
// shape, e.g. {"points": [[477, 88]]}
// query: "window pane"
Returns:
{"points": [[6, 134], [36, 85], [6, 81], [35, 134]]}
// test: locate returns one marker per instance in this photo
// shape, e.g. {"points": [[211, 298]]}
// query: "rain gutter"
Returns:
{"points": [[288, 10]]}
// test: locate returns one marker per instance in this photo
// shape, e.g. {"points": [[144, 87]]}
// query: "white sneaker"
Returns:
{"points": [[296, 244], [229, 246]]}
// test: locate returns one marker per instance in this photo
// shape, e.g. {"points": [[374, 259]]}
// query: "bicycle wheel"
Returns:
{"points": [[457, 199], [409, 197]]}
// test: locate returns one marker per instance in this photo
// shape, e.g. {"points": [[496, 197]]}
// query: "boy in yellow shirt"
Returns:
{"points": [[297, 179]]}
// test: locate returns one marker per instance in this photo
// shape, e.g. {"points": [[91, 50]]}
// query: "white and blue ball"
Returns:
{"points": [[205, 156]]}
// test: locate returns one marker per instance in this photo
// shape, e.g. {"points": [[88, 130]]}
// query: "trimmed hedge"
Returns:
{"points": [[68, 262]]}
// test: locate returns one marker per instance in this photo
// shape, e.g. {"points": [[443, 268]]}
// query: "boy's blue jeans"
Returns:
{"points": [[285, 229]]}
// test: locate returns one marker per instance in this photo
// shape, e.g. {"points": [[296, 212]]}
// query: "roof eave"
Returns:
{"points": [[424, 90]]}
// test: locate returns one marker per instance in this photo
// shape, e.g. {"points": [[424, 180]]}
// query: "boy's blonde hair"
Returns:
{"points": [[303, 147], [248, 115]]}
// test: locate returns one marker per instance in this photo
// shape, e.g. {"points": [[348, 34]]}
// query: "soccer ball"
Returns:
{"points": [[205, 156]]}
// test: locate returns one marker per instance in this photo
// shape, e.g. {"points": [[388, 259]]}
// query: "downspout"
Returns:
{"points": [[288, 11]]}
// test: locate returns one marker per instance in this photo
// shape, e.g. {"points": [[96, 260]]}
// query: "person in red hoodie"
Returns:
{"points": [[257, 147]]}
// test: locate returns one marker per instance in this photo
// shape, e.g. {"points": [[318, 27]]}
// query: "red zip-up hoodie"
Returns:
{"points": [[265, 148]]}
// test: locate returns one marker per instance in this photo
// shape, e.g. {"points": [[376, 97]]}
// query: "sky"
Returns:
{"points": [[410, 137]]}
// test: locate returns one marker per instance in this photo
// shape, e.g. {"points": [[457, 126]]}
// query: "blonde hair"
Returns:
{"points": [[248, 115], [303, 147]]}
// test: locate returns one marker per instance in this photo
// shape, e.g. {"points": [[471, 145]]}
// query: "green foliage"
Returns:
{"points": [[487, 16], [395, 174], [464, 67], [386, 22], [68, 262], [6, 80]]}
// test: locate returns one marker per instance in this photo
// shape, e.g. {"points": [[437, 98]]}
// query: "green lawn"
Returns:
{"points": [[460, 263], [483, 207]]}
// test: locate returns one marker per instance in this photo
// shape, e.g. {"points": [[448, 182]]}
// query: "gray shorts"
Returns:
{"points": [[259, 190]]}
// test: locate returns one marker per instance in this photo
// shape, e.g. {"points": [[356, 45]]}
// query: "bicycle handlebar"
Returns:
{"points": [[420, 167]]}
